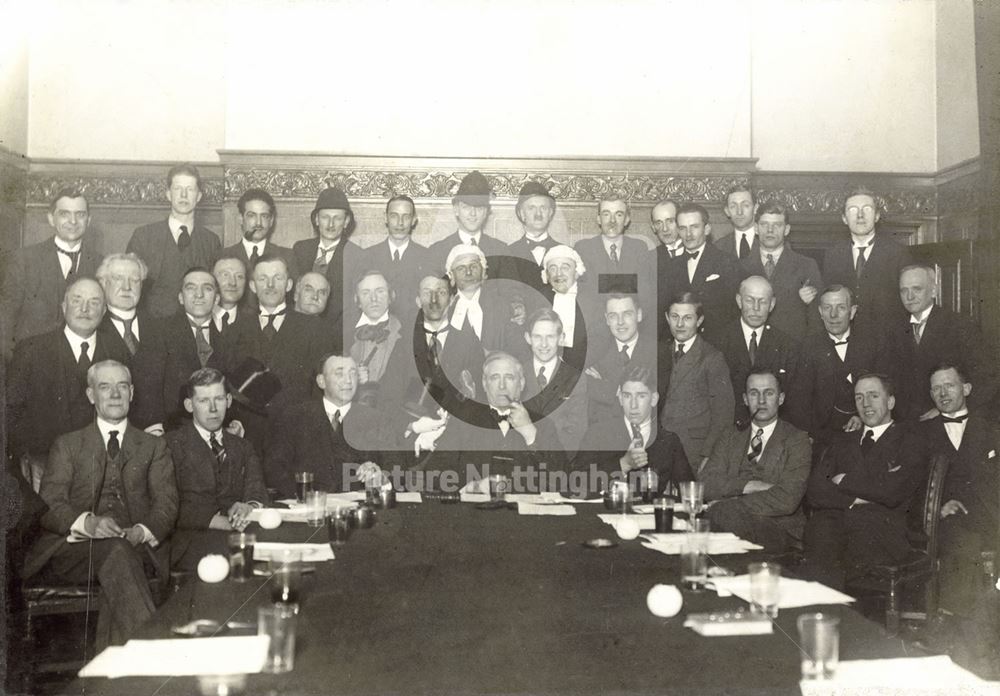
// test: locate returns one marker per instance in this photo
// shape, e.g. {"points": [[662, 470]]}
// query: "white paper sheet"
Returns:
{"points": [[719, 544], [265, 550], [181, 657], [645, 522], [916, 676], [524, 508], [791, 592]]}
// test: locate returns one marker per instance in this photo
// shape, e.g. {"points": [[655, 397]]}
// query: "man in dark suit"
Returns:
{"points": [[231, 276], [794, 278], [535, 210], [471, 205], [287, 345], [33, 280], [663, 221], [479, 307], [399, 257], [331, 254], [757, 476], [711, 274], [740, 208], [553, 389], [312, 292], [698, 403], [869, 264], [861, 491], [219, 477], [46, 392], [931, 335], [112, 500], [324, 436], [750, 343], [833, 361], [970, 515], [633, 440], [186, 341], [585, 337], [614, 261], [172, 246], [258, 215]]}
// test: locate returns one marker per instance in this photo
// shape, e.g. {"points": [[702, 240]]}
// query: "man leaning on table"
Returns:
{"points": [[757, 476], [219, 478], [112, 503]]}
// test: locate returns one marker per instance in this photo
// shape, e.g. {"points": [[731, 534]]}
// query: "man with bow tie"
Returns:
{"points": [[376, 331], [930, 335], [172, 246], [757, 476], [862, 489], [219, 476], [33, 280], [112, 503], [535, 210], [970, 514]]}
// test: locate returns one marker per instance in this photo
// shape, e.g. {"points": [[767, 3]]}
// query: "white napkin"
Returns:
{"points": [[719, 543], [524, 508], [791, 591], [181, 657], [917, 676], [266, 550]]}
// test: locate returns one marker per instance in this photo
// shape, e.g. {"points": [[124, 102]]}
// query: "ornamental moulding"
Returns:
{"points": [[118, 190]]}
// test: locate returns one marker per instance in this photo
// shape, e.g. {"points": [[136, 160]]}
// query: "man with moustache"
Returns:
{"points": [[740, 208], [258, 215], [33, 279], [110, 488], [794, 278], [584, 338], [535, 210], [931, 335], [861, 490], [869, 264], [312, 292], [471, 206], [399, 257], [705, 270], [172, 246], [231, 277], [663, 221], [46, 391]]}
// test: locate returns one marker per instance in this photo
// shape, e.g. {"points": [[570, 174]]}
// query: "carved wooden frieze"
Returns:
{"points": [[115, 190], [919, 202]]}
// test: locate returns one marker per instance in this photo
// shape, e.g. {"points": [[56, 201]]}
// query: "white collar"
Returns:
{"points": [[206, 435], [330, 407], [61, 244], [686, 344], [867, 242], [396, 246], [175, 226], [618, 241], [471, 300], [750, 233], [922, 317], [774, 253], [365, 321], [280, 308], [192, 322], [121, 314], [466, 237], [768, 429], [877, 431], [105, 427], [630, 344], [964, 411], [696, 251], [536, 240], [550, 366], [75, 341], [219, 309], [747, 330], [846, 336], [572, 291], [249, 246]]}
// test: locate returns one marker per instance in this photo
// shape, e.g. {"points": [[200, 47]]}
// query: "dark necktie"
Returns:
{"points": [[692, 255], [395, 255], [679, 353], [254, 257], [472, 241], [322, 261], [744, 246], [752, 347], [756, 446], [956, 419], [373, 332], [335, 421], [917, 328], [201, 343], [74, 261], [637, 439], [184, 238], [614, 253], [867, 442], [769, 266], [623, 354], [225, 320], [131, 342], [114, 447], [215, 441], [859, 265], [270, 330], [84, 359], [542, 381], [434, 345]]}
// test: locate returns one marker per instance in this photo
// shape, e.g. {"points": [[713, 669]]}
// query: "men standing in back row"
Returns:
{"points": [[172, 246], [471, 205], [399, 257], [257, 217], [740, 209]]}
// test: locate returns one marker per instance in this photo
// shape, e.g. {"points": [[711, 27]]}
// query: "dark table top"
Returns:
{"points": [[452, 599]]}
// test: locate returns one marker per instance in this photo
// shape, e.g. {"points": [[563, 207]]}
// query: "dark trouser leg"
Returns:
{"points": [[825, 541], [732, 515], [961, 575]]}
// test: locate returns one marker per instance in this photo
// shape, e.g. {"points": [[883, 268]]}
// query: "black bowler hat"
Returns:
{"points": [[474, 190], [532, 188], [332, 198]]}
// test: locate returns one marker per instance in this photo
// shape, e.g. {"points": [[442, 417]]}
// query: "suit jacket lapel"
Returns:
{"points": [[94, 450]]}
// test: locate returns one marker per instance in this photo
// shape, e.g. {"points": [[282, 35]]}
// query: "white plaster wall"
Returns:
{"points": [[957, 101], [13, 79]]}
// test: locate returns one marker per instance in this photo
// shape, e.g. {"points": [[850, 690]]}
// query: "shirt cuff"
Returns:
{"points": [[147, 536], [79, 526]]}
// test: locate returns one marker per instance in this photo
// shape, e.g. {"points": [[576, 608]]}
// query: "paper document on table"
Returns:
{"points": [[524, 508], [613, 518], [409, 497], [266, 550], [180, 657], [546, 498], [791, 591], [719, 543], [293, 514], [919, 676], [470, 497], [348, 497]]}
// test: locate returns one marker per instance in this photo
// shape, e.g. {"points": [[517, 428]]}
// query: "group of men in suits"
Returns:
{"points": [[532, 354]]}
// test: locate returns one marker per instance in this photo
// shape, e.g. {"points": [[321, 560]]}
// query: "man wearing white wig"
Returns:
{"points": [[582, 342], [478, 307]]}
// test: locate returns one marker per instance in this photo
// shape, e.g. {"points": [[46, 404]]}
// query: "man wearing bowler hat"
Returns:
{"points": [[471, 205], [536, 208], [329, 253]]}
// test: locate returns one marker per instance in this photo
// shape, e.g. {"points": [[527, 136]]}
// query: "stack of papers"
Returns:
{"points": [[719, 543], [266, 550], [181, 657], [525, 508], [903, 675], [791, 592]]}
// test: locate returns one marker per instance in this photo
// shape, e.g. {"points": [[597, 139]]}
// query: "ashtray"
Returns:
{"points": [[600, 543]]}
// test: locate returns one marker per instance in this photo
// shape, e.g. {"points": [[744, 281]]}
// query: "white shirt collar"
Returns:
{"points": [[397, 246], [535, 240], [65, 245], [75, 342], [466, 237], [365, 321], [846, 336], [219, 310], [774, 253], [116, 313], [276, 310], [867, 241], [105, 427], [205, 434], [964, 411], [618, 241], [175, 227], [249, 246], [550, 366], [330, 407], [193, 322], [630, 344], [573, 290], [695, 251], [768, 430], [474, 299], [645, 428], [877, 431], [686, 344], [747, 330], [922, 317]]}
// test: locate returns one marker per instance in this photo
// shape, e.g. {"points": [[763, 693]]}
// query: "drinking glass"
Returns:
{"points": [[765, 580], [241, 555], [286, 576], [303, 484], [819, 643], [315, 508], [694, 556], [277, 621], [693, 498]]}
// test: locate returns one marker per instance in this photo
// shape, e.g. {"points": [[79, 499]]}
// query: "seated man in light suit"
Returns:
{"points": [[219, 476], [757, 477], [110, 487], [376, 331], [634, 440]]}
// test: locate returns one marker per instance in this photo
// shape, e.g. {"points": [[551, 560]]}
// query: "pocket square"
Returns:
{"points": [[714, 276], [894, 469], [992, 454]]}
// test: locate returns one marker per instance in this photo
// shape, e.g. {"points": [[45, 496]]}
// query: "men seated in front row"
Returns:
{"points": [[219, 477], [312, 291], [757, 476], [231, 278], [862, 489], [970, 511], [110, 487], [634, 439]]}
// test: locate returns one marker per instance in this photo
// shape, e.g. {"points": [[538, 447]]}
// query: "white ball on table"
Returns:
{"points": [[213, 568], [664, 600], [269, 519], [627, 528]]}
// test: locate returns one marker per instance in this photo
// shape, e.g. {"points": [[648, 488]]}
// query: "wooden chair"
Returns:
{"points": [[922, 562]]}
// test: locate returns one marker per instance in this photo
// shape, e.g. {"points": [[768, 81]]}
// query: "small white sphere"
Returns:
{"points": [[269, 519], [627, 528], [664, 600], [213, 568]]}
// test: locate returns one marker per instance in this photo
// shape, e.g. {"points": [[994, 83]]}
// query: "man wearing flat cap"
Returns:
{"points": [[329, 253], [471, 205]]}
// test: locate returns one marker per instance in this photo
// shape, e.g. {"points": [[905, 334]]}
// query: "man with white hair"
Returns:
{"points": [[561, 270], [479, 308]]}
